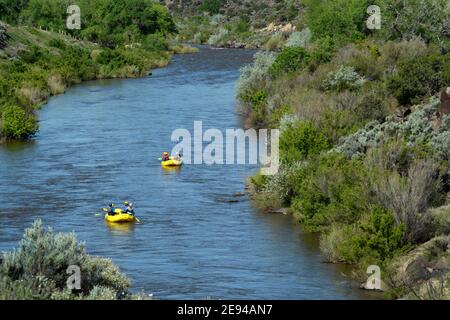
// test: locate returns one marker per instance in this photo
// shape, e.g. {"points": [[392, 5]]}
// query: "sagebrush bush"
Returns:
{"points": [[37, 269], [254, 78], [218, 38], [299, 38], [346, 78], [416, 129], [400, 20]]}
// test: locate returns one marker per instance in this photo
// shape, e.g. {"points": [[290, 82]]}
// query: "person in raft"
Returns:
{"points": [[129, 208], [111, 210], [165, 156]]}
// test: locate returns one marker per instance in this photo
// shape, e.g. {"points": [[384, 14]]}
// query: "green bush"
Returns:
{"points": [[289, 60], [16, 123], [342, 20], [331, 189], [211, 6], [301, 140], [420, 77], [374, 239]]}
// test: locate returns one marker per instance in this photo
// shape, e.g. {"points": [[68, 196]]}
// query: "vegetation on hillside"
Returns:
{"points": [[364, 140], [235, 23], [40, 57]]}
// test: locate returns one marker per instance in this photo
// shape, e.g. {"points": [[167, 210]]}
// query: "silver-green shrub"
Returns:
{"points": [[299, 38], [416, 129], [218, 38], [344, 78], [255, 75], [37, 269]]}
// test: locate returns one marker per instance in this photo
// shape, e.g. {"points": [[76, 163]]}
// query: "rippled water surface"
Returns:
{"points": [[100, 142]]}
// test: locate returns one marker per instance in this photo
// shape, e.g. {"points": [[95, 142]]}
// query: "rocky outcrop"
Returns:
{"points": [[284, 28], [425, 271]]}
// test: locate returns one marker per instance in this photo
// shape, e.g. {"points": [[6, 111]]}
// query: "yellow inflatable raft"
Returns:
{"points": [[120, 217], [171, 163]]}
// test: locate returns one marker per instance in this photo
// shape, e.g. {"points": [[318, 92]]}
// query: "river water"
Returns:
{"points": [[100, 142]]}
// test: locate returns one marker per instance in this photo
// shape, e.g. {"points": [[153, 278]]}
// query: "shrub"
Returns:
{"points": [[420, 77], [324, 49], [254, 77], [299, 38], [300, 141], [16, 123], [346, 78], [331, 189], [57, 43], [408, 197], [373, 103], [417, 129], [211, 6], [374, 239], [289, 60], [400, 20], [275, 42], [38, 268], [342, 20], [218, 38]]}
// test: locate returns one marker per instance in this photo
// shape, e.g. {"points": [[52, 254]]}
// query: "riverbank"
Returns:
{"points": [[364, 144], [36, 64], [215, 248]]}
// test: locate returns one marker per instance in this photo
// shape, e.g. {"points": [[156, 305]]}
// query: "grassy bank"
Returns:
{"points": [[40, 57], [365, 138], [37, 64]]}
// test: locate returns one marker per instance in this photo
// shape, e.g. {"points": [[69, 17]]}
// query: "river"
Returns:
{"points": [[100, 142]]}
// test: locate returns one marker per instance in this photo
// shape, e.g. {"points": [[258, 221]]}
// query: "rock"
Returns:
{"points": [[239, 194], [280, 211], [230, 200]]}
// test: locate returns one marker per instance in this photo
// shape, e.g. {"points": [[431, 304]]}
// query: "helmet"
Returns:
{"points": [[131, 204], [165, 153], [111, 204], [126, 203]]}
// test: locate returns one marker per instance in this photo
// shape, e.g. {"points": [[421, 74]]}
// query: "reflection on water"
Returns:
{"points": [[171, 170], [120, 228], [196, 239]]}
